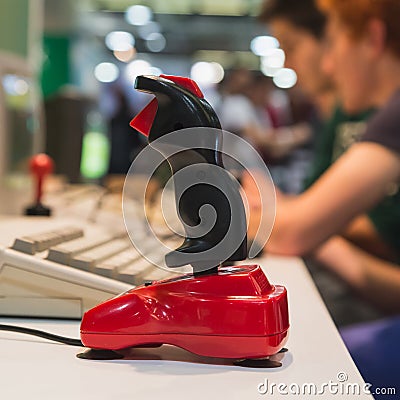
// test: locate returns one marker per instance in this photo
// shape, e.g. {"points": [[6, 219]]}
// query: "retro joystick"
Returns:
{"points": [[179, 104], [225, 312], [40, 165]]}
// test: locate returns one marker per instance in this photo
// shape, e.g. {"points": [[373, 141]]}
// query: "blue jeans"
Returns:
{"points": [[375, 348]]}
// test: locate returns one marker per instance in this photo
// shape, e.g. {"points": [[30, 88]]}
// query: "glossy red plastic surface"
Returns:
{"points": [[144, 120], [236, 313], [187, 83]]}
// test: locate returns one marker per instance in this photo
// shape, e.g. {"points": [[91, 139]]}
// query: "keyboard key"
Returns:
{"points": [[69, 233], [87, 260], [42, 241], [109, 267], [25, 245], [64, 253]]}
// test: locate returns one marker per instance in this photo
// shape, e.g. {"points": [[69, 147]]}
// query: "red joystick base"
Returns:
{"points": [[234, 314]]}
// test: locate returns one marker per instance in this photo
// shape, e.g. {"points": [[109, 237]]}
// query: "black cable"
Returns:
{"points": [[42, 334]]}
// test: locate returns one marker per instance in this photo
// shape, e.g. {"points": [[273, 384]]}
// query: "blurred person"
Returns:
{"points": [[244, 111], [359, 32], [363, 57], [299, 27], [275, 142], [284, 147], [235, 81], [237, 113], [364, 48], [125, 143]]}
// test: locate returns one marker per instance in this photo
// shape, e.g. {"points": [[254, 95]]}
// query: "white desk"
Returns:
{"points": [[32, 368]]}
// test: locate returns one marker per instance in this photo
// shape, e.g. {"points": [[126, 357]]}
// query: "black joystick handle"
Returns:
{"points": [[40, 165], [180, 104]]}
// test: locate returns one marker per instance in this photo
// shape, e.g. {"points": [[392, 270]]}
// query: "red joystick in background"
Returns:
{"points": [[40, 165]]}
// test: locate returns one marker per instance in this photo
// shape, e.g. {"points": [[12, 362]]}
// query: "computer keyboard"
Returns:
{"points": [[61, 267]]}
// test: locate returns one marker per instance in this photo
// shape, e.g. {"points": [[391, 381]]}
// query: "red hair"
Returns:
{"points": [[355, 15]]}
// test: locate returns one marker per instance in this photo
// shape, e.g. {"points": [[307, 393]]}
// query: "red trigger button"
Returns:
{"points": [[187, 83], [144, 120]]}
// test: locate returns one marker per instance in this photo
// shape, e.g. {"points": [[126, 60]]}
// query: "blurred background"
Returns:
{"points": [[67, 69]]}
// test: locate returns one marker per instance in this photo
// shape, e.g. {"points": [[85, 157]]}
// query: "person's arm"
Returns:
{"points": [[362, 233], [352, 185], [279, 142], [375, 279]]}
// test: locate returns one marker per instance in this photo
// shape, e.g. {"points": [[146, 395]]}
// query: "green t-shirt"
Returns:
{"points": [[334, 138], [386, 220], [337, 135]]}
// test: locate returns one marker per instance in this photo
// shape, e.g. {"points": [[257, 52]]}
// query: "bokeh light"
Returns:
{"points": [[263, 45], [138, 15], [207, 73], [119, 41], [285, 78], [106, 72]]}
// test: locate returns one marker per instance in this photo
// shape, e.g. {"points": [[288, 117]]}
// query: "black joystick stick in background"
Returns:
{"points": [[40, 165]]}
